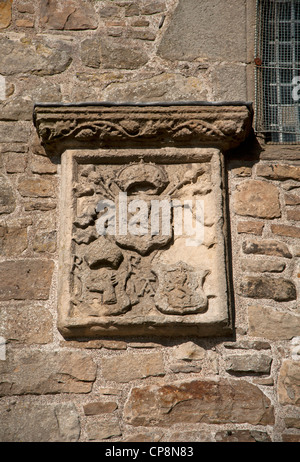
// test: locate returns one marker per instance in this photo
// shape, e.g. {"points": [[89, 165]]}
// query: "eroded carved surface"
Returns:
{"points": [[222, 126], [134, 264]]}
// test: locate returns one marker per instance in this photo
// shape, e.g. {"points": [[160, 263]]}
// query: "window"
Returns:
{"points": [[277, 65]]}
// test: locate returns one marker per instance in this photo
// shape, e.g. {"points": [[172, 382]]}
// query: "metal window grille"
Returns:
{"points": [[277, 66]]}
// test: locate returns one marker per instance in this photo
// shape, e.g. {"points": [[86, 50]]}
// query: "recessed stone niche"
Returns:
{"points": [[142, 231]]}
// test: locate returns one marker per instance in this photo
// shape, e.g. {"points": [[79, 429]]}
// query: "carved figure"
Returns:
{"points": [[180, 290], [118, 266]]}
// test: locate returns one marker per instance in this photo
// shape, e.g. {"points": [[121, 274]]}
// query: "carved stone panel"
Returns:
{"points": [[143, 243], [142, 234]]}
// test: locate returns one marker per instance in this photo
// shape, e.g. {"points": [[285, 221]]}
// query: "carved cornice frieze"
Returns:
{"points": [[222, 126]]}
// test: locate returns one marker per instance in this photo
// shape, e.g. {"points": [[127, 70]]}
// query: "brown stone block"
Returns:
{"points": [[272, 324], [132, 366], [284, 230], [143, 35], [41, 164], [36, 187], [37, 56], [266, 247], [248, 363], [43, 205], [116, 54], [289, 383], [26, 324], [132, 10], [153, 7], [13, 240], [16, 162], [46, 372], [5, 13], [209, 30], [279, 171], [292, 422], [292, 199], [72, 15], [205, 401], [293, 215], [103, 429], [24, 23], [290, 438], [250, 227], [262, 266], [257, 199], [242, 436], [7, 196], [108, 11], [45, 242], [39, 423], [279, 289], [105, 407], [25, 279]]}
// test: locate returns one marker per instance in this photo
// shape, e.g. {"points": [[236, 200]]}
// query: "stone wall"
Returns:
{"points": [[240, 388]]}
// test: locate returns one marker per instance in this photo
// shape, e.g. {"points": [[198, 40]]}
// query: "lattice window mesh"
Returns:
{"points": [[278, 70]]}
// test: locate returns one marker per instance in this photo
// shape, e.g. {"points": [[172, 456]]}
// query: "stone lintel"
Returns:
{"points": [[223, 126]]}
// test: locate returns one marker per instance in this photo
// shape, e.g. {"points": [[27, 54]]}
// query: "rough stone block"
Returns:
{"points": [[7, 196], [24, 23], [279, 289], [229, 82], [285, 230], [12, 131], [104, 407], [25, 279], [42, 205], [36, 187], [292, 422], [189, 351], [39, 423], [262, 266], [257, 199], [205, 401], [163, 87], [13, 240], [290, 438], [103, 429], [5, 13], [132, 366], [90, 52], [45, 242], [248, 344], [117, 55], [26, 324], [71, 15], [46, 372], [272, 324], [16, 162], [266, 247], [292, 199], [289, 383], [279, 171], [250, 363], [39, 56], [210, 31], [153, 7], [293, 215], [42, 165]]}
